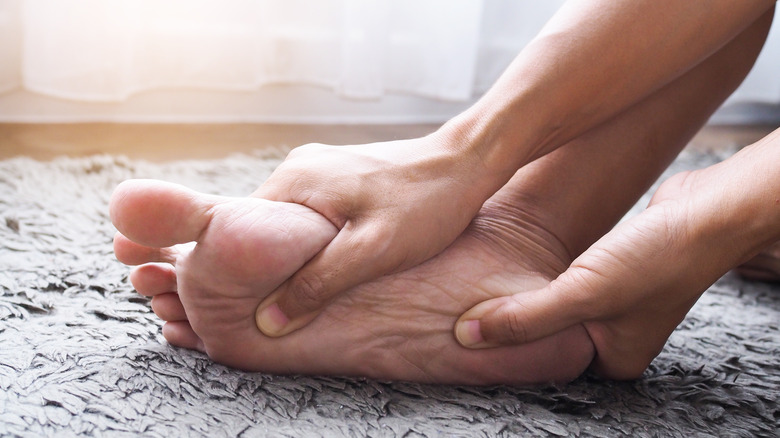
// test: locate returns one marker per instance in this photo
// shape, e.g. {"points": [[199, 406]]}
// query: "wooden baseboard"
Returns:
{"points": [[166, 142]]}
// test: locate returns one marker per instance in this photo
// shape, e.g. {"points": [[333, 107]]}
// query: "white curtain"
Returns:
{"points": [[107, 50], [110, 50]]}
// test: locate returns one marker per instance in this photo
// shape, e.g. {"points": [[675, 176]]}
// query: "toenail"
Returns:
{"points": [[469, 333], [271, 320]]}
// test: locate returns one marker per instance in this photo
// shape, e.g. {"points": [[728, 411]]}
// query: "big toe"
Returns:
{"points": [[159, 214]]}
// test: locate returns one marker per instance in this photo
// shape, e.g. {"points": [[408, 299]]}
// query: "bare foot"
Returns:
{"points": [[398, 327], [763, 267]]}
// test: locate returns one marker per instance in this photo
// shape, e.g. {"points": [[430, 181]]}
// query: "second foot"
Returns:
{"points": [[763, 267], [399, 327]]}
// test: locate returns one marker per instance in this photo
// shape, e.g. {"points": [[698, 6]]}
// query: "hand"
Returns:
{"points": [[396, 204], [635, 285]]}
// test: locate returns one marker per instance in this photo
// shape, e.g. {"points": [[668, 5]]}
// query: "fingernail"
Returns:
{"points": [[271, 320], [468, 333]]}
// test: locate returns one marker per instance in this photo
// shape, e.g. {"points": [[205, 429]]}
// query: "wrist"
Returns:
{"points": [[515, 122], [489, 141], [466, 142]]}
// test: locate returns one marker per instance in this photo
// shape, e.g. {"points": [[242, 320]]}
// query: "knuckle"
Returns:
{"points": [[515, 325], [380, 238], [297, 151], [308, 291], [583, 291], [305, 149], [378, 246]]}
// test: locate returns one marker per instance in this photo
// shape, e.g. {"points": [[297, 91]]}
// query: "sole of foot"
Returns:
{"points": [[399, 327]]}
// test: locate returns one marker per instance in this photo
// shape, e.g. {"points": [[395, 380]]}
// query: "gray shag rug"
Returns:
{"points": [[81, 353]]}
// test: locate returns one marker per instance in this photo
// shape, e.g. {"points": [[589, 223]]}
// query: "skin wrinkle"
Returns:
{"points": [[209, 214], [506, 230], [434, 307], [376, 300], [421, 371], [424, 356]]}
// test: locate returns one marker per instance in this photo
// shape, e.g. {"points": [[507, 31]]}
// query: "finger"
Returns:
{"points": [[344, 263], [133, 254], [153, 279], [520, 318], [159, 214], [180, 334]]}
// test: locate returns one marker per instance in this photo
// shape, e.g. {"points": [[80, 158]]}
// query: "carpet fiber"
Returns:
{"points": [[81, 352]]}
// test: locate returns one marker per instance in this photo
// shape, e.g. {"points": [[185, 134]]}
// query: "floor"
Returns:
{"points": [[166, 142]]}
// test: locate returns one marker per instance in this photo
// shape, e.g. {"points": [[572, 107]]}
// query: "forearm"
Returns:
{"points": [[591, 61]]}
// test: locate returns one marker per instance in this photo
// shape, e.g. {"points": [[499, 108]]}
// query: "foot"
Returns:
{"points": [[398, 327], [763, 267]]}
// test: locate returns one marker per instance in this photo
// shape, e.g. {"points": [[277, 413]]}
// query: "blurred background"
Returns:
{"points": [[277, 62]]}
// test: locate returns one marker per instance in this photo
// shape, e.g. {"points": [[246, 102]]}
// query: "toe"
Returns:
{"points": [[168, 307], [154, 279], [180, 334], [159, 214], [131, 253]]}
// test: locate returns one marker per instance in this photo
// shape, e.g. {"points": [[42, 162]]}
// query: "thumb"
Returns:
{"points": [[345, 262], [523, 317]]}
